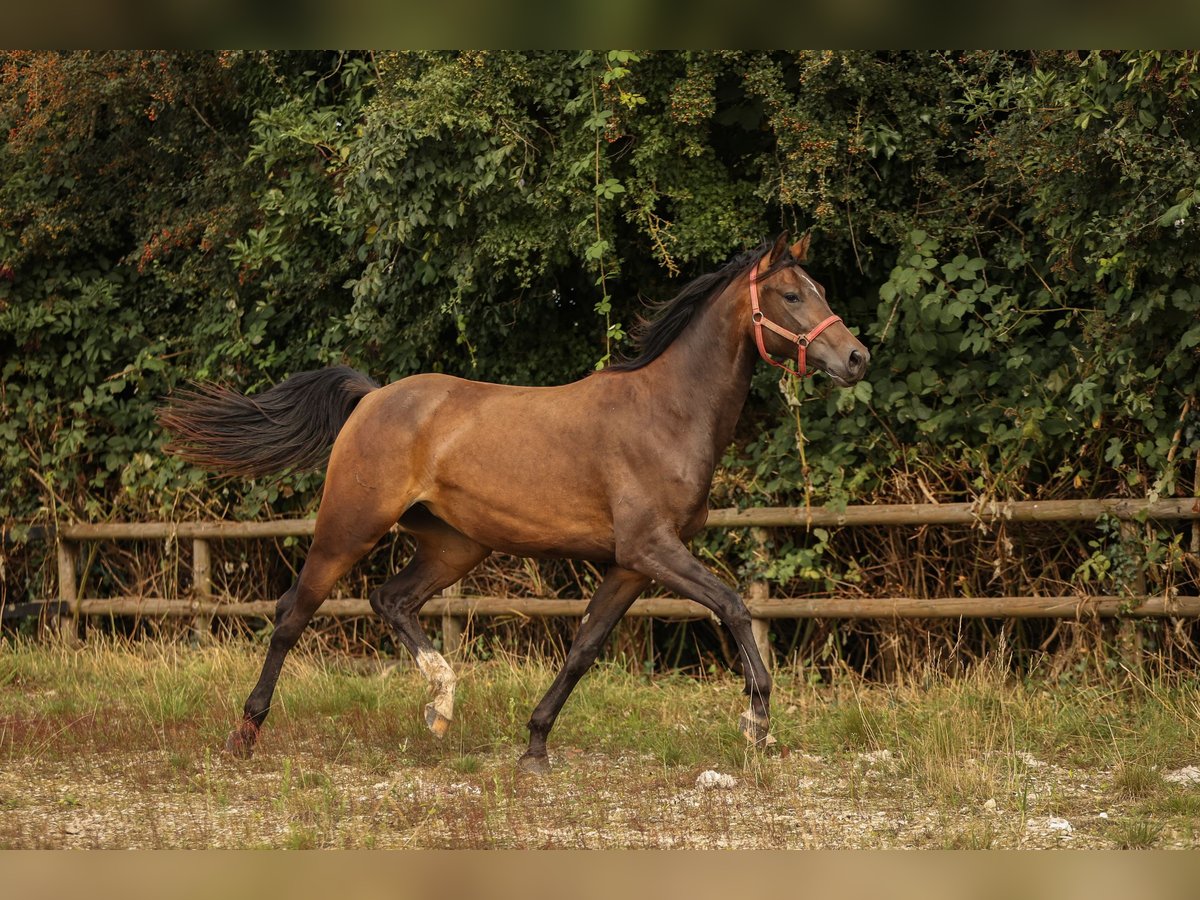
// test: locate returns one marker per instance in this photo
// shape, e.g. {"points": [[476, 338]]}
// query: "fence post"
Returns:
{"points": [[760, 590], [1129, 632], [201, 588], [1196, 493], [452, 625], [64, 626]]}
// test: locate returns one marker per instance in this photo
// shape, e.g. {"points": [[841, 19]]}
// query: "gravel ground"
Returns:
{"points": [[156, 799]]}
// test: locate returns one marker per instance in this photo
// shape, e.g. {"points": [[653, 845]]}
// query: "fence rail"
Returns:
{"points": [[763, 517], [201, 605], [674, 608]]}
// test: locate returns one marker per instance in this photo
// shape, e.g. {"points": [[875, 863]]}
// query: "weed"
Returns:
{"points": [[1135, 781], [179, 761], [311, 780], [974, 837], [1186, 805], [855, 727], [300, 837], [1135, 834], [466, 765]]}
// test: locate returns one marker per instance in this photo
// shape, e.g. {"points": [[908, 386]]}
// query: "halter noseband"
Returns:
{"points": [[800, 340]]}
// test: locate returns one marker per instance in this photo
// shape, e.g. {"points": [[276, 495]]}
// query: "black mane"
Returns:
{"points": [[667, 320]]}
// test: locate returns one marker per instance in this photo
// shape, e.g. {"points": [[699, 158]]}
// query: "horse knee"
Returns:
{"points": [[575, 666], [291, 620], [539, 725]]}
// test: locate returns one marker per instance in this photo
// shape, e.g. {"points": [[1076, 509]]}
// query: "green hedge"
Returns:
{"points": [[1012, 234]]}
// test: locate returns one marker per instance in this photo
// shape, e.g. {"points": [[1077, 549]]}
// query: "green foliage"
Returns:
{"points": [[129, 209], [1014, 236]]}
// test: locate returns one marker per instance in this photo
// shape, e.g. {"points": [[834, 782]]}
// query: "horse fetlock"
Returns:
{"points": [[436, 670], [755, 728]]}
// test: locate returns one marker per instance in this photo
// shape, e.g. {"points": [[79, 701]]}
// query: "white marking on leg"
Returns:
{"points": [[441, 679]]}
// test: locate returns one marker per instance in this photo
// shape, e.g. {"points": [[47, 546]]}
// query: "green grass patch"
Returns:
{"points": [[1136, 781], [345, 759], [1135, 834], [1185, 804]]}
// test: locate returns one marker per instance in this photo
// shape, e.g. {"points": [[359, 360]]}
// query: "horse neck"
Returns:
{"points": [[709, 366]]}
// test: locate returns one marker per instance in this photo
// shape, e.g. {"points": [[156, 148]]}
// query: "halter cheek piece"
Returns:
{"points": [[800, 340]]}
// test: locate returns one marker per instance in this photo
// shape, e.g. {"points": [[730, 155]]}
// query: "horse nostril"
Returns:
{"points": [[857, 361]]}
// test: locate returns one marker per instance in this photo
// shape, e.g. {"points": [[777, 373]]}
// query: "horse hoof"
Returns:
{"points": [[437, 723], [240, 743], [755, 729], [534, 765]]}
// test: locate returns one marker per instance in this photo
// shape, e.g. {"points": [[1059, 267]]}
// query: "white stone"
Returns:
{"points": [[875, 756], [990, 805], [708, 780], [1186, 775]]}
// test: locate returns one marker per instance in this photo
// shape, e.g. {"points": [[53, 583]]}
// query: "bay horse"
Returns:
{"points": [[615, 469]]}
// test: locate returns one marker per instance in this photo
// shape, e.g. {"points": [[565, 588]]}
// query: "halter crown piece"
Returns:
{"points": [[800, 340]]}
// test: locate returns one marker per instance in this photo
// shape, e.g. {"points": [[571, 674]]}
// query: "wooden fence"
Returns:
{"points": [[453, 607]]}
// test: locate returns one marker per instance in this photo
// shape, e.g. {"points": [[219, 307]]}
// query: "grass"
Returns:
{"points": [[1135, 781], [1136, 834], [117, 744]]}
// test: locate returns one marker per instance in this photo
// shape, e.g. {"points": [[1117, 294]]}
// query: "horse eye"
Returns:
{"points": [[791, 297]]}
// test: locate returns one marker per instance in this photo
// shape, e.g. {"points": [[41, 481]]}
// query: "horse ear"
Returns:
{"points": [[800, 248], [778, 249]]}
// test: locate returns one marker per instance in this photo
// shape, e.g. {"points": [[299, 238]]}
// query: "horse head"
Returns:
{"points": [[791, 317]]}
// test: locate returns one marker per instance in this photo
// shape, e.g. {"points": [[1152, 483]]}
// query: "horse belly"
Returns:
{"points": [[527, 504], [522, 529]]}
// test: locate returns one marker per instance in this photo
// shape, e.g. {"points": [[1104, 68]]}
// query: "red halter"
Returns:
{"points": [[800, 340]]}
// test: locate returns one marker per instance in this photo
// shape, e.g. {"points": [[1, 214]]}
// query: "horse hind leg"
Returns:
{"points": [[442, 557], [343, 536]]}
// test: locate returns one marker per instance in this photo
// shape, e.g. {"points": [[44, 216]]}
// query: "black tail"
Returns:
{"points": [[289, 426]]}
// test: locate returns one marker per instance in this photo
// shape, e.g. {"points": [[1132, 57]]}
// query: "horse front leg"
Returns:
{"points": [[354, 515], [611, 601], [663, 557]]}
